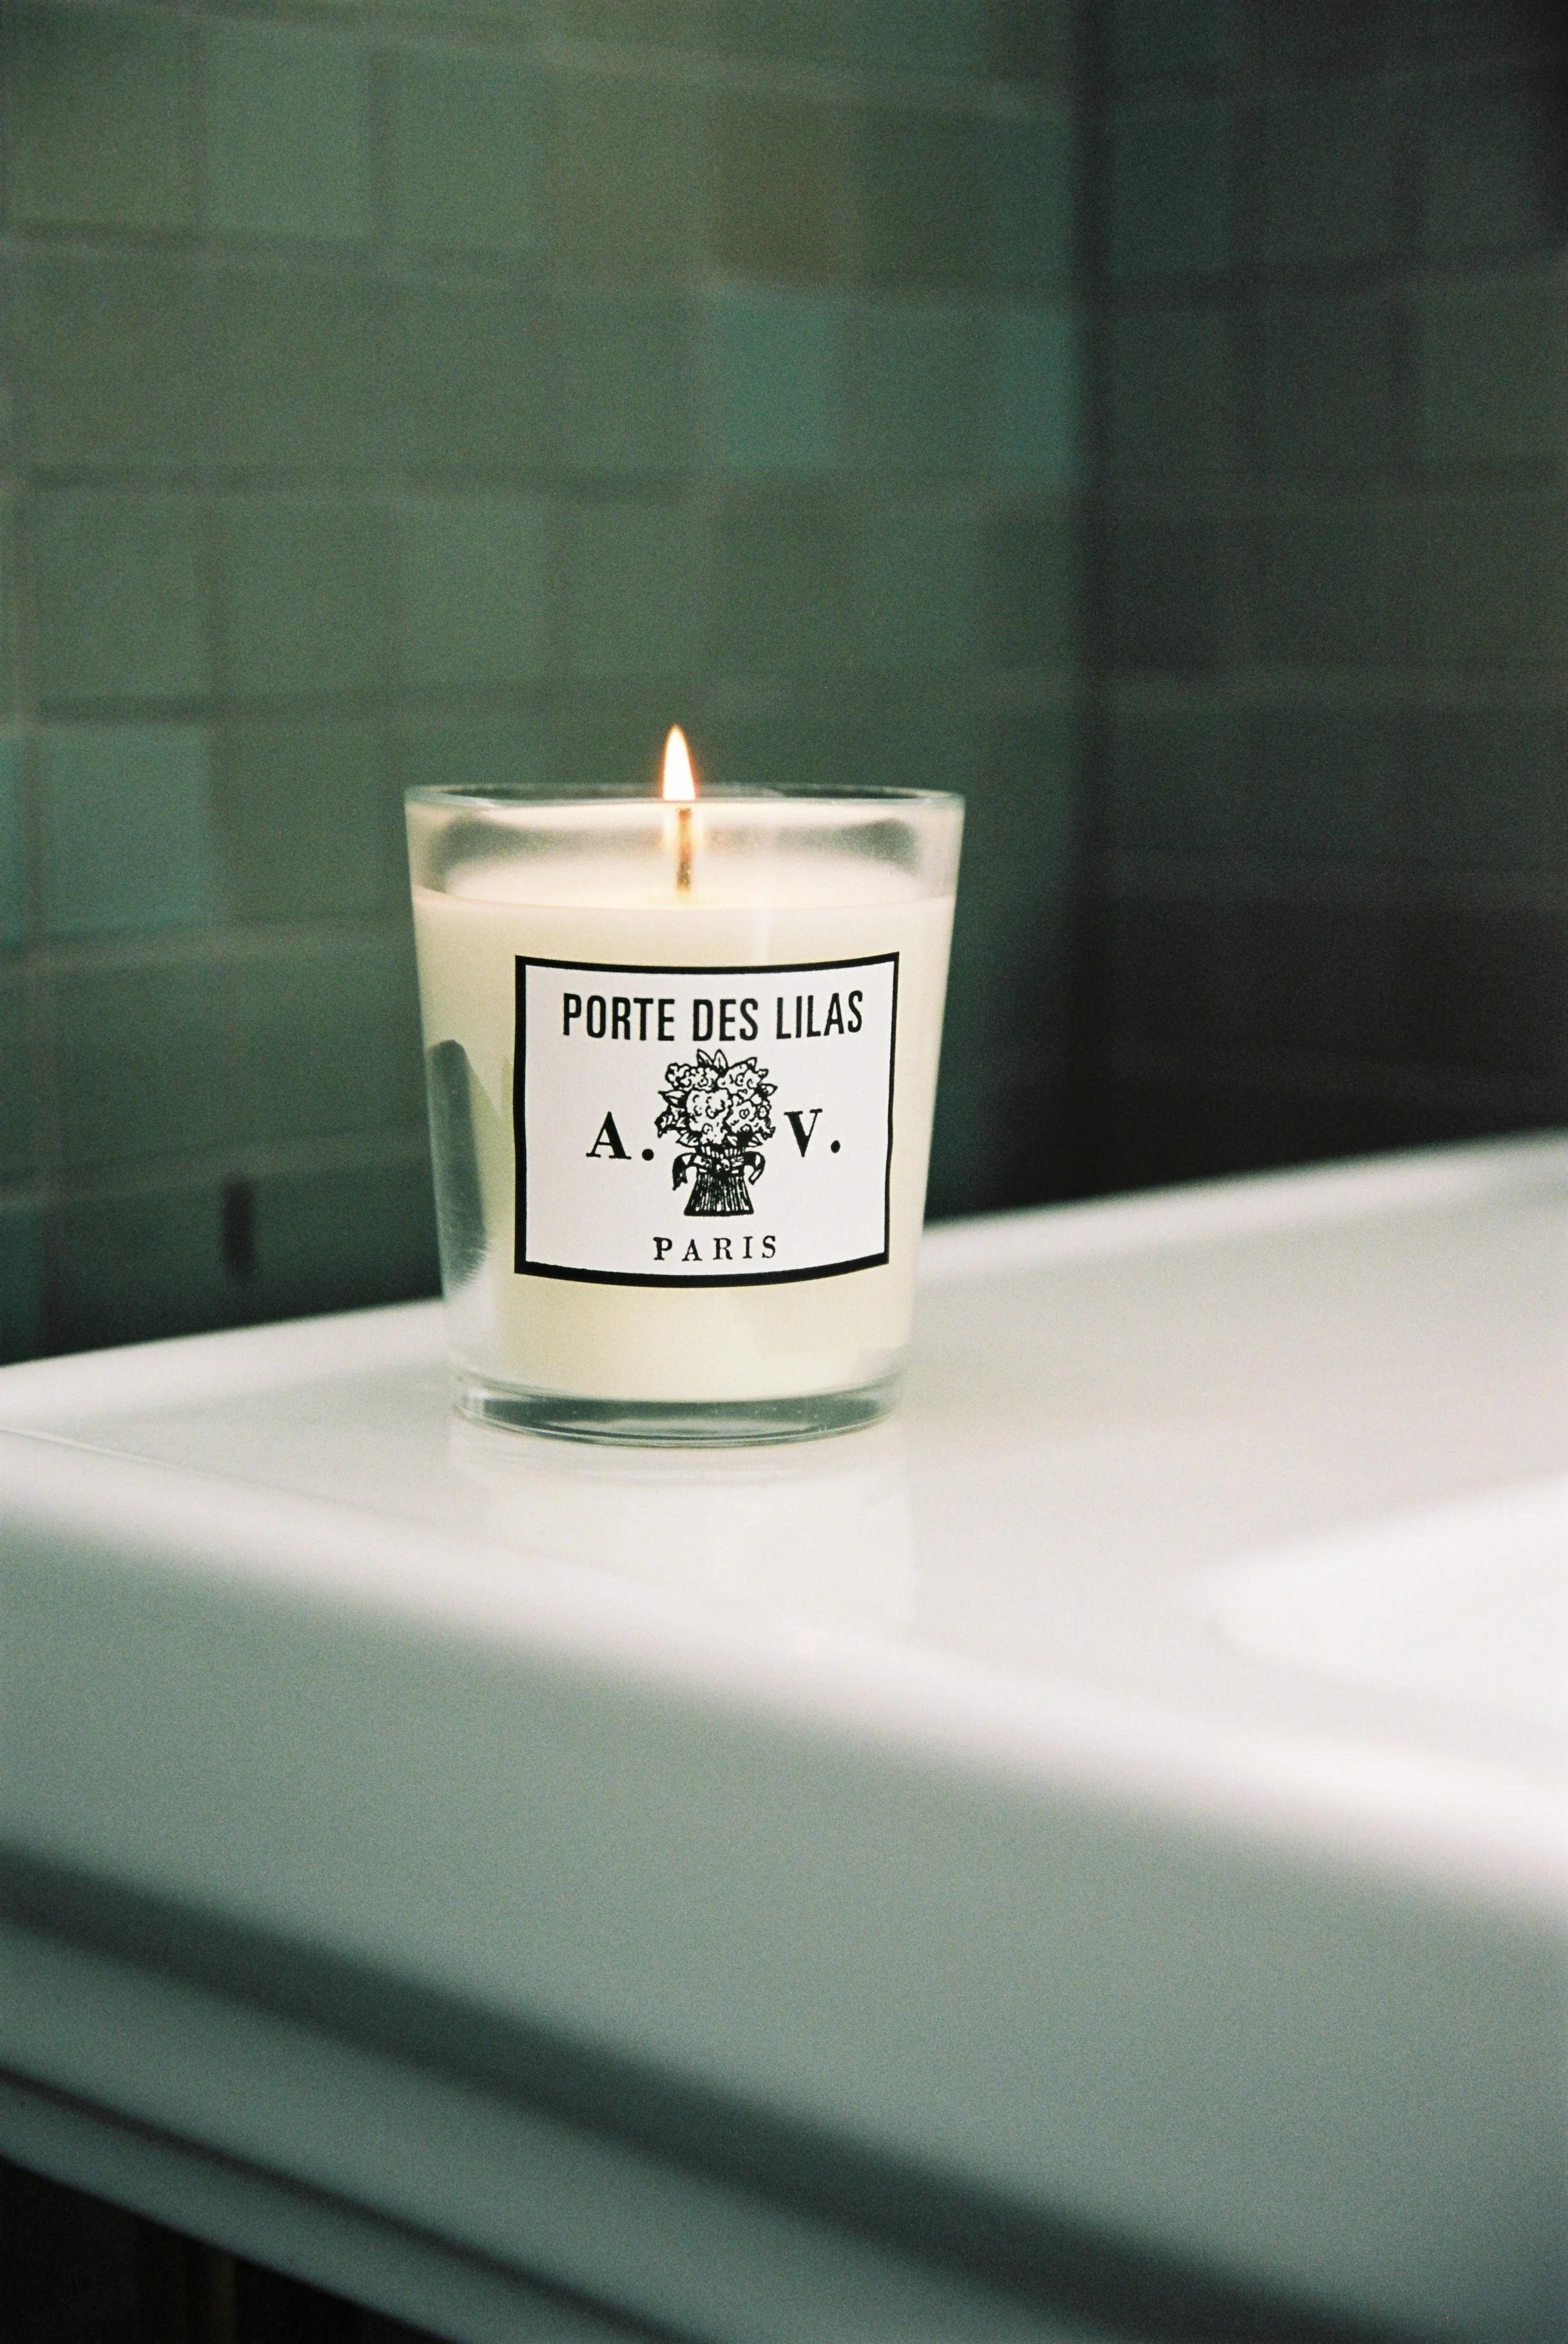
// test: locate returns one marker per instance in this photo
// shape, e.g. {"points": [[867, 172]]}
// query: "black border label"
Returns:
{"points": [[523, 1268]]}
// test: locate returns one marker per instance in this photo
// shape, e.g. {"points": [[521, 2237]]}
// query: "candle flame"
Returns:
{"points": [[679, 787]]}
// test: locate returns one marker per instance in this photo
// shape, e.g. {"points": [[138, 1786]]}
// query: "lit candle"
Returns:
{"points": [[679, 789], [680, 1076]]}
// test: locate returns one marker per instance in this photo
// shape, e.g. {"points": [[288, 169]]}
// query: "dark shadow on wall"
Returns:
{"points": [[1326, 584]]}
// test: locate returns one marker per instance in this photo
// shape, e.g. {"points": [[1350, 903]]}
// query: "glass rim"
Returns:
{"points": [[629, 793]]}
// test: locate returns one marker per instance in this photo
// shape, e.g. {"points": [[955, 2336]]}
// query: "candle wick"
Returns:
{"points": [[683, 850]]}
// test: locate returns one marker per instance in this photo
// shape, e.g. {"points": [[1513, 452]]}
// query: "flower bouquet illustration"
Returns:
{"points": [[720, 1116]]}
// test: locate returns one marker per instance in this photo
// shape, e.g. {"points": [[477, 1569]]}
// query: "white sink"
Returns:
{"points": [[1464, 1605], [1118, 1809]]}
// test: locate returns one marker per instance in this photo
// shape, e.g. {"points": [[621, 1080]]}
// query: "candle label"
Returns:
{"points": [[704, 1126]]}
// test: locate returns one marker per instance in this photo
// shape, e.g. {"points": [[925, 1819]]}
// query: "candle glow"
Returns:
{"points": [[678, 789], [679, 785]]}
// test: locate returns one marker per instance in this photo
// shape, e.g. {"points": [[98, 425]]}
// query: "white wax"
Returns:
{"points": [[647, 1342]]}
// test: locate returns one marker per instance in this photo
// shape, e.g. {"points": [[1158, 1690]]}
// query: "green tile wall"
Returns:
{"points": [[103, 117], [118, 588], [1151, 416], [1329, 576], [288, 132], [392, 393], [125, 825]]}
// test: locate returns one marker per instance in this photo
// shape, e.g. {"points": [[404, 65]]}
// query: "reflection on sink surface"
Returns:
{"points": [[821, 1536], [1464, 1603]]}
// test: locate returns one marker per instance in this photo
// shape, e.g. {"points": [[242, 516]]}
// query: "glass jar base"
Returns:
{"points": [[672, 1424]]}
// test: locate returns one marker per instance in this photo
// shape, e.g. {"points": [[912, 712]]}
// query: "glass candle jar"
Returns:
{"points": [[680, 1065]]}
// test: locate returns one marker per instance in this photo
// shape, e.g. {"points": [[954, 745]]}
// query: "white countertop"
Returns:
{"points": [[1094, 1845]]}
